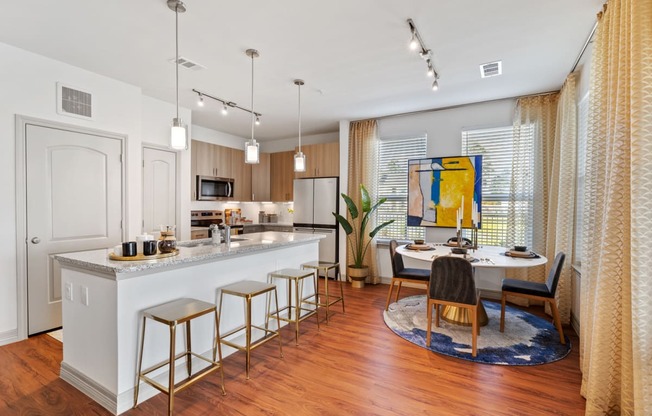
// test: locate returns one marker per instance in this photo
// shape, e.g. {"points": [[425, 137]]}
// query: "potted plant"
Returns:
{"points": [[356, 233]]}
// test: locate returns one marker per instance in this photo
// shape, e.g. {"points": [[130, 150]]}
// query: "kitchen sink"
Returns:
{"points": [[199, 243]]}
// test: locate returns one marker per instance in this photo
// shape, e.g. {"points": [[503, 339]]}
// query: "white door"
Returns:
{"points": [[74, 203], [159, 188]]}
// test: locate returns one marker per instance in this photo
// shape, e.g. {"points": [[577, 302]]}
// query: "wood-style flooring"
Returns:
{"points": [[353, 366]]}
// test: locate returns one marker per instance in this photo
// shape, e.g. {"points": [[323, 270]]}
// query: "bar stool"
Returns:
{"points": [[249, 289], [295, 278], [324, 267], [172, 314]]}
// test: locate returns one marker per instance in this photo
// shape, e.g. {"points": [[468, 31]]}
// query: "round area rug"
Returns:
{"points": [[527, 340]]}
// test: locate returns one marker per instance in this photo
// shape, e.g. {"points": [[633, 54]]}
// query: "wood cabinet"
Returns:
{"points": [[241, 174], [282, 176], [211, 159], [322, 159], [260, 179], [198, 234]]}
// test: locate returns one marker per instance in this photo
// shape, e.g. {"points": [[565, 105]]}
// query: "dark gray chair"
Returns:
{"points": [[538, 291], [452, 283], [402, 274]]}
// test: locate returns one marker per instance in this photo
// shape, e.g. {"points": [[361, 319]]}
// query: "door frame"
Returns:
{"points": [[177, 182], [21, 123]]}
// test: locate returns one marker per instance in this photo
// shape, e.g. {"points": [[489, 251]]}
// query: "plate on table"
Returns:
{"points": [[455, 245], [521, 254], [419, 247]]}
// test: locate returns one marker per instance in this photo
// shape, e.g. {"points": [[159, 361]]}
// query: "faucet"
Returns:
{"points": [[226, 234]]}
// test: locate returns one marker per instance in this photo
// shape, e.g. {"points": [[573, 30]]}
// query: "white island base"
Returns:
{"points": [[102, 321]]}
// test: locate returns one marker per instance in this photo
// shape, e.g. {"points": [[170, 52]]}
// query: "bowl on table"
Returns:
{"points": [[457, 250], [520, 248], [419, 241]]}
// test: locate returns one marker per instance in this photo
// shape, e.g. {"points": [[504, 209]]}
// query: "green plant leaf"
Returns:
{"points": [[346, 225], [365, 198], [353, 210], [380, 227]]}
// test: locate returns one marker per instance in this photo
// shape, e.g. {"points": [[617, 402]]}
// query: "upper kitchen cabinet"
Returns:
{"points": [[211, 159], [260, 179], [241, 174], [282, 176], [322, 159]]}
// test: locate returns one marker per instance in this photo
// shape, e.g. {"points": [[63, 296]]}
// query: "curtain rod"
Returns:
{"points": [[450, 107], [586, 45]]}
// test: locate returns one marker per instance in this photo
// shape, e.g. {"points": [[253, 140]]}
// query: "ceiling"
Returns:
{"points": [[353, 55]]}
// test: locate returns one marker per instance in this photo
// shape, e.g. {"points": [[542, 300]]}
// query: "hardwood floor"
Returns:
{"points": [[354, 366]]}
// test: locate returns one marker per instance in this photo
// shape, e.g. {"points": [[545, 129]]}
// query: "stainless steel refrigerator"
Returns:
{"points": [[315, 199]]}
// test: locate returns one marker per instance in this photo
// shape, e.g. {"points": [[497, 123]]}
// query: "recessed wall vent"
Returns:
{"points": [[491, 69], [71, 101], [187, 63]]}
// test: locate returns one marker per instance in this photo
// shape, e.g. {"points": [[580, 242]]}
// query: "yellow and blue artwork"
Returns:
{"points": [[443, 190]]}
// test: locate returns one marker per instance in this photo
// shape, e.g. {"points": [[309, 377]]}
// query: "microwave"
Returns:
{"points": [[210, 188]]}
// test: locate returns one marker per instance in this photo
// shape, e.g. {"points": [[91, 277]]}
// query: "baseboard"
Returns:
{"points": [[9, 337], [98, 393]]}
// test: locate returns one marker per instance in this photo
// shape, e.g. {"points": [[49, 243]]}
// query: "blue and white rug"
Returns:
{"points": [[527, 340]]}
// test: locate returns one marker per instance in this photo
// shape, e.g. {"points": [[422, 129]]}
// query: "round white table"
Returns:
{"points": [[485, 257]]}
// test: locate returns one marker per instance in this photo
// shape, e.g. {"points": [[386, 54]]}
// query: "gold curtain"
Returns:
{"points": [[561, 193], [363, 160], [531, 167], [616, 287]]}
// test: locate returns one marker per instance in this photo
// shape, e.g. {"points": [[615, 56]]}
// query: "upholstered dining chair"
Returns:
{"points": [[452, 283], [538, 291], [402, 274]]}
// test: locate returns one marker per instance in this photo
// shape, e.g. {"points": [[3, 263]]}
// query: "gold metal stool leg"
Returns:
{"points": [[173, 334], [248, 334], [217, 348]]}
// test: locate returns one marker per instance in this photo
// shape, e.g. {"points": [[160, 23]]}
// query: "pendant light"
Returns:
{"points": [[252, 149], [178, 138], [299, 157]]}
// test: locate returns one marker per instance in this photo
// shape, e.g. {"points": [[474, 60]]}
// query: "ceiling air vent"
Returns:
{"points": [[187, 63], [72, 101], [491, 69]]}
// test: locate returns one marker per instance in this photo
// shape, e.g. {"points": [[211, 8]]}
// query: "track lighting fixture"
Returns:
{"points": [[226, 104], [200, 102], [178, 138], [416, 43]]}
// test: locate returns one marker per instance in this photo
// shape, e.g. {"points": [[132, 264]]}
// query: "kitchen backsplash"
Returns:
{"points": [[250, 209]]}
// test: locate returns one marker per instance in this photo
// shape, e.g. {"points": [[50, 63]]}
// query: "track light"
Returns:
{"points": [[413, 42], [225, 110], [426, 54], [257, 121], [200, 102], [225, 104]]}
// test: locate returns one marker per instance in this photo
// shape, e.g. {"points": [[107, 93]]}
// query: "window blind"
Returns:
{"points": [[393, 156], [496, 146]]}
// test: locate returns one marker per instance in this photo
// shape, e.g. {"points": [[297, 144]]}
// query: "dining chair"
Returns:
{"points": [[452, 283], [402, 274], [537, 291]]}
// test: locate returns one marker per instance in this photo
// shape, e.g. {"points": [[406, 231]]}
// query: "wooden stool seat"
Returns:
{"points": [[174, 313], [248, 289], [325, 267]]}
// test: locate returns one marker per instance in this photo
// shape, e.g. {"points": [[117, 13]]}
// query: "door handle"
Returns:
{"points": [[36, 240]]}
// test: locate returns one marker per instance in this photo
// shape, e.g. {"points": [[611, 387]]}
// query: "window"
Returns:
{"points": [[393, 185], [496, 146]]}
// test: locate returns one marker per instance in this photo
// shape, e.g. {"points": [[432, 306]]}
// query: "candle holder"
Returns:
{"points": [[474, 236]]}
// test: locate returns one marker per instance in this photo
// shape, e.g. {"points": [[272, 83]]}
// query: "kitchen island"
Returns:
{"points": [[103, 301]]}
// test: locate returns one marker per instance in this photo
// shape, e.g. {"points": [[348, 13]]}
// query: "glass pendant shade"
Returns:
{"points": [[299, 162], [252, 152], [178, 135]]}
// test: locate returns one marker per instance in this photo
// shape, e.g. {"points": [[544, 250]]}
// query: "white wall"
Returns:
{"points": [[28, 85], [283, 145], [443, 129]]}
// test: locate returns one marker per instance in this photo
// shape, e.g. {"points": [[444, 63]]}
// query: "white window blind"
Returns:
{"points": [[393, 185], [496, 146]]}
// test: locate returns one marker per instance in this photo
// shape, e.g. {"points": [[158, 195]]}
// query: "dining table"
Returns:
{"points": [[485, 257]]}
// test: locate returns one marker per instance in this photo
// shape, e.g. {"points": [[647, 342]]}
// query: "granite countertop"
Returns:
{"points": [[189, 252]]}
